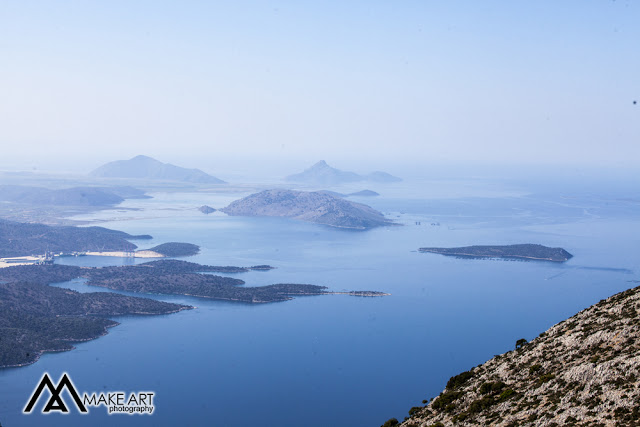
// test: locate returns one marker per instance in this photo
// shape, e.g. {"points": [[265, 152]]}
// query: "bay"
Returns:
{"points": [[340, 360]]}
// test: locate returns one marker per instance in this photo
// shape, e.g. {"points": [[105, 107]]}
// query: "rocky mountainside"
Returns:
{"points": [[323, 174], [318, 207], [584, 371], [144, 167]]}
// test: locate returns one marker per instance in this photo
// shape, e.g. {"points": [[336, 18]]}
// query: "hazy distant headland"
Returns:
{"points": [[74, 196], [524, 251], [144, 167], [31, 203], [318, 207], [363, 193], [323, 174]]}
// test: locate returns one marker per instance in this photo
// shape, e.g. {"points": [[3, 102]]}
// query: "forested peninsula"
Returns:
{"points": [[35, 318]]}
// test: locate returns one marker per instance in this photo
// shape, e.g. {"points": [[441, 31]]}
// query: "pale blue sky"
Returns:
{"points": [[368, 82]]}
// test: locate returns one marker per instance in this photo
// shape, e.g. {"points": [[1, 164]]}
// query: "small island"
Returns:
{"points": [[363, 193], [323, 174], [206, 209], [319, 207], [176, 249], [522, 251]]}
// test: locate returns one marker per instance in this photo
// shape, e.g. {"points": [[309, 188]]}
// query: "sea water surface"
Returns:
{"points": [[338, 360]]}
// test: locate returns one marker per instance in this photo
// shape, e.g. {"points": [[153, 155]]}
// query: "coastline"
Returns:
{"points": [[4, 264], [31, 260], [39, 353], [115, 323], [122, 254]]}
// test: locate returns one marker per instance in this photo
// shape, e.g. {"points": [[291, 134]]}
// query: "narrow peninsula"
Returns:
{"points": [[35, 317], [171, 277], [522, 251]]}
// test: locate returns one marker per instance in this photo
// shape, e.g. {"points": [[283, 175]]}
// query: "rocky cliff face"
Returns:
{"points": [[584, 371], [318, 207]]}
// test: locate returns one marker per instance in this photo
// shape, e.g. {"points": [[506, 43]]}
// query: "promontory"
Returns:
{"points": [[35, 318]]}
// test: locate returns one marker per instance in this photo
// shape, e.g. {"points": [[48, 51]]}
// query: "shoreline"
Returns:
{"points": [[32, 260], [123, 254], [105, 332]]}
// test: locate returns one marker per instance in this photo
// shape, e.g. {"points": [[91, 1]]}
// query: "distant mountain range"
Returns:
{"points": [[175, 249], [144, 167], [318, 207], [323, 174]]}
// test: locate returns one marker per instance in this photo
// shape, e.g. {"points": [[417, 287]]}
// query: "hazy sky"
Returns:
{"points": [[202, 82]]}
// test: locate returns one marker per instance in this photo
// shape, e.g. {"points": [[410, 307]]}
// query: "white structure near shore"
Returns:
{"points": [[48, 258]]}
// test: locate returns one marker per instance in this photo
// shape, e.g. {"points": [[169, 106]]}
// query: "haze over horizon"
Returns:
{"points": [[364, 85]]}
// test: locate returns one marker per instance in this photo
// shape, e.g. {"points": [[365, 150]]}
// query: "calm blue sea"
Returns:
{"points": [[338, 360]]}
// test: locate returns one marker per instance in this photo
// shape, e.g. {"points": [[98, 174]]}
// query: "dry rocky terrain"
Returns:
{"points": [[584, 371], [315, 206]]}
